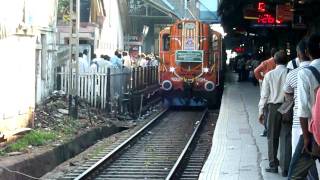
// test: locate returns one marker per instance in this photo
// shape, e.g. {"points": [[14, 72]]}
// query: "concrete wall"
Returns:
{"points": [[17, 77], [28, 52], [45, 56]]}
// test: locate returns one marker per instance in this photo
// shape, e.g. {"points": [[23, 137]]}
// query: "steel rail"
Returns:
{"points": [[123, 145], [178, 165]]}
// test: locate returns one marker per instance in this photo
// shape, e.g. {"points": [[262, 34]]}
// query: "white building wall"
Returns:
{"points": [[111, 36], [26, 76], [17, 78]]}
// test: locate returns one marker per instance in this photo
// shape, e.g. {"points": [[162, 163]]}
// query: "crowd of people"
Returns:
{"points": [[288, 107], [118, 60], [244, 65]]}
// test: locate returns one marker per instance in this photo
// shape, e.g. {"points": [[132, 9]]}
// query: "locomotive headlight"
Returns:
{"points": [[166, 85], [205, 70], [172, 69], [209, 86]]}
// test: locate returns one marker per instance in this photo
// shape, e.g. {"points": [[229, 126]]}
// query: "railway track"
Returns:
{"points": [[159, 150], [200, 150]]}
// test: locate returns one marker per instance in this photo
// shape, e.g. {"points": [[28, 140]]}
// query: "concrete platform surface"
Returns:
{"points": [[238, 152]]}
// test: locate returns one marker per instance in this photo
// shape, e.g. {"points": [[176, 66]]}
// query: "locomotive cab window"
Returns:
{"points": [[166, 42]]}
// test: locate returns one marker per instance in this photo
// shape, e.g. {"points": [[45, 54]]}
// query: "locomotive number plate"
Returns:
{"points": [[175, 79], [189, 56]]}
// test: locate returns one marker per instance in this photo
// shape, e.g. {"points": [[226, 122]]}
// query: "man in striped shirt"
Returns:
{"points": [[290, 88], [302, 159]]}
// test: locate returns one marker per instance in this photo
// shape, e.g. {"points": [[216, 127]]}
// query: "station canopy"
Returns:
{"points": [[151, 9], [208, 15], [172, 9]]}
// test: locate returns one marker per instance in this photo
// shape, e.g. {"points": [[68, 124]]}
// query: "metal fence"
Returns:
{"points": [[108, 89]]}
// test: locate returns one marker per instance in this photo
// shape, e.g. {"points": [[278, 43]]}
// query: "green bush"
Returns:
{"points": [[34, 138]]}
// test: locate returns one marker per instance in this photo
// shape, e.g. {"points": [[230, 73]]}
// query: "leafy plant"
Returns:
{"points": [[64, 10], [34, 138], [2, 152]]}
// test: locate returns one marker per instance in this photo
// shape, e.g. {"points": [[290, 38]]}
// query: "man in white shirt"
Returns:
{"points": [[126, 59], [272, 96], [94, 66], [153, 61], [85, 56], [143, 62], [83, 64], [302, 161]]}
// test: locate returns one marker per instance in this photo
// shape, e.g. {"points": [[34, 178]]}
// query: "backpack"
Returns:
{"points": [[314, 126]]}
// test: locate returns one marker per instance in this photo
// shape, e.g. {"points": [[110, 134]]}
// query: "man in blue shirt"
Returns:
{"points": [[116, 60]]}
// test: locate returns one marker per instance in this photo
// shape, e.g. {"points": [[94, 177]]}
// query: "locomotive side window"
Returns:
{"points": [[166, 42], [215, 43]]}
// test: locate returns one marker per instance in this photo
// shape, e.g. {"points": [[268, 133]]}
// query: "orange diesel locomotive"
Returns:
{"points": [[190, 64]]}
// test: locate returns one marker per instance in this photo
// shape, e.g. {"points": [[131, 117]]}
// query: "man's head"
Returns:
{"points": [[302, 51], [314, 46], [94, 56], [280, 57], [273, 51], [124, 53], [106, 57], [116, 52], [85, 52], [80, 55]]}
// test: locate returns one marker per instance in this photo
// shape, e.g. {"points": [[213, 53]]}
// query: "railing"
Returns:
{"points": [[109, 88]]}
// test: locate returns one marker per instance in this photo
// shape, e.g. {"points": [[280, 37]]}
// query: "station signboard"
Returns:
{"points": [[284, 13], [133, 44], [189, 56], [299, 21]]}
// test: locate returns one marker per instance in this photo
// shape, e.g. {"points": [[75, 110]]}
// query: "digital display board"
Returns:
{"points": [[263, 14]]}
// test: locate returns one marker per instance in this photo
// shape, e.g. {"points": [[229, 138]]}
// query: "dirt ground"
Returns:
{"points": [[77, 161], [53, 116]]}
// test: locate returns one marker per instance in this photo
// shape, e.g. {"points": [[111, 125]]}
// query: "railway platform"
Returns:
{"points": [[238, 152]]}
